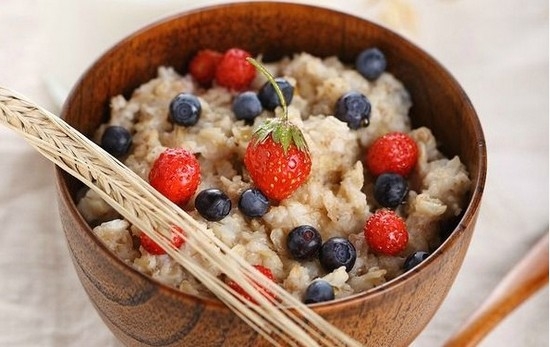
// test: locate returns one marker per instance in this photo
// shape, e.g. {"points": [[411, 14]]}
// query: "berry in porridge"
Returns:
{"points": [[203, 66], [236, 287], [176, 174], [354, 109], [268, 94], [414, 259], [233, 71], [212, 204], [390, 189], [247, 106], [185, 109], [371, 63], [277, 157], [386, 232], [116, 140], [276, 171], [153, 248], [253, 203], [304, 242], [318, 291], [337, 252], [394, 152]]}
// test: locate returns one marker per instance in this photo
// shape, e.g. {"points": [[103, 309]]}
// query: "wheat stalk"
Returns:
{"points": [[281, 320]]}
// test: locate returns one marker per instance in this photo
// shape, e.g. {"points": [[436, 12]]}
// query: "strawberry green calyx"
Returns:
{"points": [[283, 132], [280, 129]]}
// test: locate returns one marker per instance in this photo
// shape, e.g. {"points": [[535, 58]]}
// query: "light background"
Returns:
{"points": [[497, 49]]}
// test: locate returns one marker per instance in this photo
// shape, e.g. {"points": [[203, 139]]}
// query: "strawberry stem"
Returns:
{"points": [[271, 80], [281, 130]]}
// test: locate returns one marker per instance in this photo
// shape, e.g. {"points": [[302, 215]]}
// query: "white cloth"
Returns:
{"points": [[497, 49]]}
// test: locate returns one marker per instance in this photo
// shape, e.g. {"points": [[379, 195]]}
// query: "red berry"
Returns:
{"points": [[153, 248], [277, 156], [236, 287], [277, 174], [203, 66], [394, 152], [176, 175], [386, 232], [233, 71]]}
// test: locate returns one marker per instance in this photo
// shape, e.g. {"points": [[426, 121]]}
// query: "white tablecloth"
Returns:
{"points": [[497, 49]]}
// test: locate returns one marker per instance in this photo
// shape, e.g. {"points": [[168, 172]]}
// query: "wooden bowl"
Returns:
{"points": [[141, 311]]}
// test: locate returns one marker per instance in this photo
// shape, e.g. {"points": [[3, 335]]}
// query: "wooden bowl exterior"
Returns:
{"points": [[141, 311]]}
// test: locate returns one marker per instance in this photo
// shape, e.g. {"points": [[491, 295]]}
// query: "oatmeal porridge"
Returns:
{"points": [[336, 200]]}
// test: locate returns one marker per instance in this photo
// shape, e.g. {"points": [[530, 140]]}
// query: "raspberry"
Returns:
{"points": [[176, 175], [394, 152], [153, 248], [203, 66], [235, 286], [233, 71], [386, 233]]}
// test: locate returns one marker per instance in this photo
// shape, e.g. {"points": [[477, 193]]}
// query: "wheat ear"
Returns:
{"points": [[281, 320]]}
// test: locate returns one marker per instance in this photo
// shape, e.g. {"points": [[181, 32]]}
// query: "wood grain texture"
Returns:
{"points": [[142, 312], [528, 276]]}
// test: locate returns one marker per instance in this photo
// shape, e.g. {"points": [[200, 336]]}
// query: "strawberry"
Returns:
{"points": [[386, 233], [153, 248], [203, 66], [234, 72], [176, 175], [276, 173], [236, 287], [394, 152], [277, 157]]}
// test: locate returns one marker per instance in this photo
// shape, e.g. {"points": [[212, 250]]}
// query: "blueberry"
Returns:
{"points": [[185, 109], [116, 140], [303, 242], [414, 259], [212, 204], [269, 98], [253, 203], [354, 109], [390, 189], [318, 291], [246, 106], [371, 63], [336, 252]]}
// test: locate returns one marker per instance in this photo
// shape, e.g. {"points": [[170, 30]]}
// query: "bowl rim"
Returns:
{"points": [[469, 214]]}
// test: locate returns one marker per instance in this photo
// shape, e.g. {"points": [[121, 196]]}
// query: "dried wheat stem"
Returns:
{"points": [[283, 320]]}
